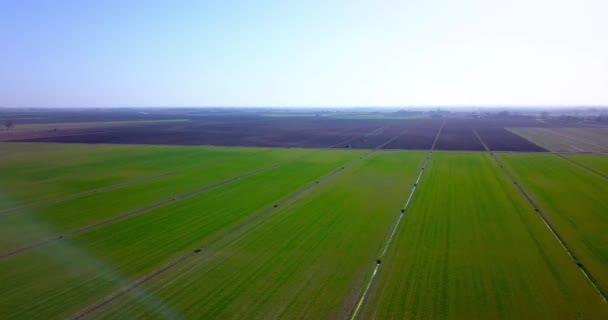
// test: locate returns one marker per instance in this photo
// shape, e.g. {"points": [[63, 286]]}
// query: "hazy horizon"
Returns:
{"points": [[317, 54]]}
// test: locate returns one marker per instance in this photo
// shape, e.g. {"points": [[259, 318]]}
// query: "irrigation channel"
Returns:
{"points": [[543, 217], [378, 261]]}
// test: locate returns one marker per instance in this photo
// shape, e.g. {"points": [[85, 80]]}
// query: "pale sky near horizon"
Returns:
{"points": [[303, 53]]}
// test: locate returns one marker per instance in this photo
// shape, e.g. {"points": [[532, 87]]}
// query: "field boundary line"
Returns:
{"points": [[139, 211], [248, 224], [404, 208], [583, 166], [543, 216]]}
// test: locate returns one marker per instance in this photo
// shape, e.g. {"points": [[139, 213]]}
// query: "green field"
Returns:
{"points": [[594, 162], [471, 247], [134, 246], [307, 260], [107, 231], [575, 201]]}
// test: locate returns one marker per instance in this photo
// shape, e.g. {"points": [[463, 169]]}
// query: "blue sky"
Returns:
{"points": [[303, 53]]}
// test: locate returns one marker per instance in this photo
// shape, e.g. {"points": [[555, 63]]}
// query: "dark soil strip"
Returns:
{"points": [[551, 228], [583, 166], [86, 193], [138, 211], [238, 231], [403, 210]]}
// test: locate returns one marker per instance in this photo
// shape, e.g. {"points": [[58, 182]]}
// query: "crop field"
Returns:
{"points": [[304, 130], [145, 231], [595, 163], [471, 248], [574, 200], [567, 139], [304, 261]]}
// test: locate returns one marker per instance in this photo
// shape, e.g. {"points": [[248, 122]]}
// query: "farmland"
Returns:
{"points": [[593, 162], [567, 139], [454, 256], [294, 256], [575, 203], [300, 130], [297, 217]]}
